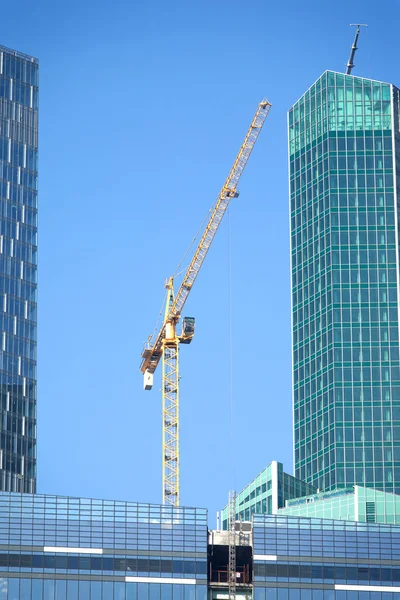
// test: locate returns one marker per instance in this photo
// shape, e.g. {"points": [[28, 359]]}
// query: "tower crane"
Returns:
{"points": [[165, 344]]}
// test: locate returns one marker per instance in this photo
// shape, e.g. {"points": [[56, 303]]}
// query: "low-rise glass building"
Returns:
{"points": [[320, 559], [268, 492], [59, 548], [355, 503]]}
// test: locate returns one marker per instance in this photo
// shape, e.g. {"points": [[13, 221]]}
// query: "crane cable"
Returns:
{"points": [[160, 316], [176, 274], [230, 357]]}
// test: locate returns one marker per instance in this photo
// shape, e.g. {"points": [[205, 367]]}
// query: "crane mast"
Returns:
{"points": [[350, 63], [165, 346], [170, 407]]}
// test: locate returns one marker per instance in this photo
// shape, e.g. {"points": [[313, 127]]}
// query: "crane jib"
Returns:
{"points": [[152, 354]]}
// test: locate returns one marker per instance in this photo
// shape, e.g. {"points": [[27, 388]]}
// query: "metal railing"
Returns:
{"points": [[19, 54]]}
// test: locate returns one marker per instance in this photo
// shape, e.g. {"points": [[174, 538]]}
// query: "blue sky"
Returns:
{"points": [[143, 107]]}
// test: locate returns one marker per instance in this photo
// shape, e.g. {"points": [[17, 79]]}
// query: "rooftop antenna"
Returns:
{"points": [[350, 64]]}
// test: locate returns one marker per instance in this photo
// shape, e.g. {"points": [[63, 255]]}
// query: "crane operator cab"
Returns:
{"points": [[188, 324]]}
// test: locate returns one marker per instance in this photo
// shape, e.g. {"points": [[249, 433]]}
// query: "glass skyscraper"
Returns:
{"points": [[18, 269], [344, 161]]}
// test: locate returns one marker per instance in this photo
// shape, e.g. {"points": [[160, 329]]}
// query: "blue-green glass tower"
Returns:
{"points": [[18, 269], [344, 161]]}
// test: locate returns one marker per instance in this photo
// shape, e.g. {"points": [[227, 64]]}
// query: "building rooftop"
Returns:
{"points": [[354, 503], [19, 54]]}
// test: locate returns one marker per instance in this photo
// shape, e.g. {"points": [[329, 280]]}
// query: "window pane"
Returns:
{"points": [[25, 589], [61, 590], [13, 589], [3, 588]]}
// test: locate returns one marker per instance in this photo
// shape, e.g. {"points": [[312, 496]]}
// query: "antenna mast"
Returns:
{"points": [[350, 64]]}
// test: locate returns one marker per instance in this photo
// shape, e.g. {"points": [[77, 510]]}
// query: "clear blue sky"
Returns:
{"points": [[143, 106]]}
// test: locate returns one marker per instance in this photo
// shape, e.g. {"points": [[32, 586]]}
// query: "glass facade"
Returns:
{"points": [[354, 504], [59, 548], [344, 161], [320, 559], [267, 492], [18, 269]]}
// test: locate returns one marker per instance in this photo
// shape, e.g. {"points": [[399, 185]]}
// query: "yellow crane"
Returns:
{"points": [[165, 344]]}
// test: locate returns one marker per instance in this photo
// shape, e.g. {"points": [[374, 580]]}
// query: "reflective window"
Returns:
{"points": [[18, 270]]}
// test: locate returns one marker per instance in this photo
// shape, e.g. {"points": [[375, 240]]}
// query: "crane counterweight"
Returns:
{"points": [[148, 380]]}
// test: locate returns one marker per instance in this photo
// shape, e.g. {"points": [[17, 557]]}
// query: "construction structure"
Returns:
{"points": [[232, 546], [165, 345], [350, 63]]}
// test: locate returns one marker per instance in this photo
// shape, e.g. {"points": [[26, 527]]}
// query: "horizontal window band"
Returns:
{"points": [[265, 557], [293, 585], [326, 586], [367, 588], [323, 586], [73, 550], [102, 578], [326, 572], [161, 580], [161, 567], [137, 553], [321, 558]]}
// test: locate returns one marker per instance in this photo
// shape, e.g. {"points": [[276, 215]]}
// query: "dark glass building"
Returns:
{"points": [[344, 166], [18, 269]]}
